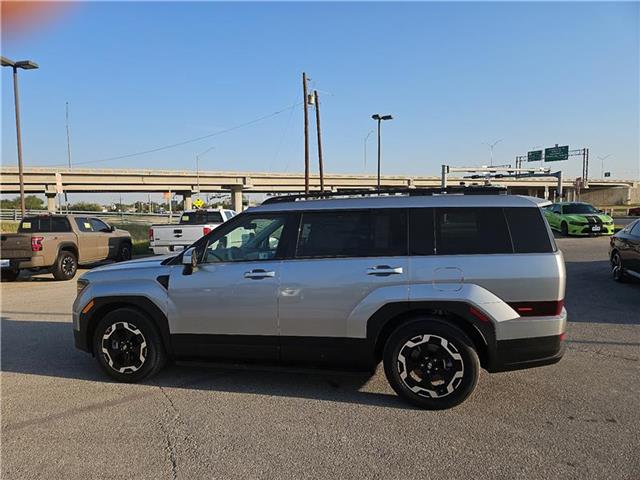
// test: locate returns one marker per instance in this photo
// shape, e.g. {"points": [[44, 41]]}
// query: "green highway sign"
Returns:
{"points": [[555, 154], [534, 156]]}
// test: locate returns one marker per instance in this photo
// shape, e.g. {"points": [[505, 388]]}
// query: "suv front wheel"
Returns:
{"points": [[431, 363], [128, 346]]}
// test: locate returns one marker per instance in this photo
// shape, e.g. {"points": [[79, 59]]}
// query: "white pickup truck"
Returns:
{"points": [[165, 239]]}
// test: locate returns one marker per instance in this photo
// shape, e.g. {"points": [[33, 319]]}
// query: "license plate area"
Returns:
{"points": [[5, 263]]}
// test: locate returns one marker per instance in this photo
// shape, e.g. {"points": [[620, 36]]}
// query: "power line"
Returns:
{"points": [[191, 140]]}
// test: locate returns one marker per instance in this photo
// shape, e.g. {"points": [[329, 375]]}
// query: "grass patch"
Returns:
{"points": [[9, 227]]}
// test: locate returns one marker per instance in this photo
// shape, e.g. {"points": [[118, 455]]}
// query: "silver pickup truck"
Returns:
{"points": [[165, 239]]}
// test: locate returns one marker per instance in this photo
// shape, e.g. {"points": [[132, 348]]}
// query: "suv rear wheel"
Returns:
{"points": [[431, 363], [66, 266], [128, 346]]}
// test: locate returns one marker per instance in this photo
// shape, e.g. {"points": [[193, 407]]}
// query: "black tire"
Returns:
{"points": [[128, 346], [9, 275], [66, 266], [124, 252], [455, 363], [617, 268], [564, 229]]}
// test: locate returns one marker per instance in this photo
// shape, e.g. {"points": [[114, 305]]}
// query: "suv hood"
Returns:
{"points": [[146, 262], [589, 218]]}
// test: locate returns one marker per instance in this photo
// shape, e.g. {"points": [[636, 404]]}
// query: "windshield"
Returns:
{"points": [[578, 208]]}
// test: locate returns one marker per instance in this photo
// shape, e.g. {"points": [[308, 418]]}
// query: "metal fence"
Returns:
{"points": [[113, 217]]}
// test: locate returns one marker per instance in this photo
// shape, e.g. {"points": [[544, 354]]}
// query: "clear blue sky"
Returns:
{"points": [[454, 75]]}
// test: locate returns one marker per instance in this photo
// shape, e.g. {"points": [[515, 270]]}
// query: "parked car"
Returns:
{"points": [[577, 218], [635, 211], [624, 252], [435, 287], [165, 239], [58, 243]]}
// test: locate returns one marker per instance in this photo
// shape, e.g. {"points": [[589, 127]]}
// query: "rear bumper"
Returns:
{"points": [[21, 263], [166, 250], [524, 353]]}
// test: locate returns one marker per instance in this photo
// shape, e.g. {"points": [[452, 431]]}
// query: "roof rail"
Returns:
{"points": [[470, 190]]}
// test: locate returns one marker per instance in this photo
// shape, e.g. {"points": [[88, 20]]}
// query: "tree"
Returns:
{"points": [[85, 207], [31, 202]]}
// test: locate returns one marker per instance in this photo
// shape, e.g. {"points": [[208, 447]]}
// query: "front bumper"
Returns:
{"points": [[588, 230]]}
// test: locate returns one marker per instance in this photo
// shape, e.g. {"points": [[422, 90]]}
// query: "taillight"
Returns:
{"points": [[36, 244], [538, 309], [150, 234], [206, 230]]}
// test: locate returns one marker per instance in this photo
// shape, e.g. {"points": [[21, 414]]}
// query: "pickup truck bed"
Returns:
{"points": [[165, 239]]}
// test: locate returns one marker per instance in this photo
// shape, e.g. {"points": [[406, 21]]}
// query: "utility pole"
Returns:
{"points": [[306, 133], [66, 197], [320, 163]]}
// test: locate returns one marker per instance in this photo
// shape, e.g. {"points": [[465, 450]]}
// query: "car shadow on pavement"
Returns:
{"points": [[593, 296], [46, 348]]}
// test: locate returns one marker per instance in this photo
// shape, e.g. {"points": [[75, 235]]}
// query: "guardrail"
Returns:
{"points": [[122, 217]]}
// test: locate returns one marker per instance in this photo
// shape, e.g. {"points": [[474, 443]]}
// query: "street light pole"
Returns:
{"points": [[602, 159], [26, 65], [365, 148], [379, 118], [491, 145]]}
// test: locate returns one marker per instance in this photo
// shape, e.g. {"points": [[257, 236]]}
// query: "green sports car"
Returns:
{"points": [[576, 218]]}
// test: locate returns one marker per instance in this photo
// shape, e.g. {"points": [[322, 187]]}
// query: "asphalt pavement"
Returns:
{"points": [[63, 418]]}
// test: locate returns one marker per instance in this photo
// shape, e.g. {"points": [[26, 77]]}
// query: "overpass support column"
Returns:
{"points": [[236, 198], [51, 202], [187, 203], [533, 192]]}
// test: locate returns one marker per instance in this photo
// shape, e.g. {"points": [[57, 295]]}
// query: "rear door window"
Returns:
{"points": [[528, 230], [361, 233], [467, 231], [421, 233], [60, 224], [84, 224]]}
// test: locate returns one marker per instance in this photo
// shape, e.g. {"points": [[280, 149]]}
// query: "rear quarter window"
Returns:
{"points": [[528, 230], [470, 231]]}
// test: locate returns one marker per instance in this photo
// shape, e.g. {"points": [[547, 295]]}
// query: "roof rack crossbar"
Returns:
{"points": [[470, 190]]}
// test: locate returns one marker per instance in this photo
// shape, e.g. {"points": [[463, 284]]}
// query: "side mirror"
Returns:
{"points": [[189, 261], [112, 228]]}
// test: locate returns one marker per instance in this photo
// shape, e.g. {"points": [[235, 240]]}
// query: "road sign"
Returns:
{"points": [[555, 154], [534, 156], [198, 203], [607, 174]]}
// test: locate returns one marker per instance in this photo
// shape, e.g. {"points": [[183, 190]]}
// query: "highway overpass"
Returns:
{"points": [[42, 180]]}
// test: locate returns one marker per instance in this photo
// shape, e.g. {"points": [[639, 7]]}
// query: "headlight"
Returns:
{"points": [[81, 285]]}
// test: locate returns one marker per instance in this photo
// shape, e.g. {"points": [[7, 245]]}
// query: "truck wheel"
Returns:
{"points": [[128, 346], [124, 252], [431, 363], [9, 275], [66, 266]]}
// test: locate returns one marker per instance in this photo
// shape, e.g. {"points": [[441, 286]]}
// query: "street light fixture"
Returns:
{"points": [[379, 118], [25, 65], [491, 145]]}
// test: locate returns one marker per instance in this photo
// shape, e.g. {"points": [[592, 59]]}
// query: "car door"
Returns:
{"points": [[228, 306], [633, 245], [102, 234], [341, 260], [555, 216], [87, 244]]}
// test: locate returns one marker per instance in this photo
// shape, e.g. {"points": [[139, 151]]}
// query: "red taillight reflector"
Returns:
{"points": [[538, 309], [562, 335], [36, 244], [479, 315], [206, 230], [150, 234]]}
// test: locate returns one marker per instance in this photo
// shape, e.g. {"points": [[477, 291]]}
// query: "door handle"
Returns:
{"points": [[384, 270], [259, 273]]}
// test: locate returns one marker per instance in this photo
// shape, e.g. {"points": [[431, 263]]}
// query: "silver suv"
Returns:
{"points": [[435, 286]]}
